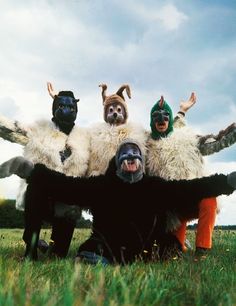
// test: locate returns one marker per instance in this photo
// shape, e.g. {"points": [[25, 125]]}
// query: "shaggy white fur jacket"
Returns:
{"points": [[176, 156], [105, 140], [45, 142]]}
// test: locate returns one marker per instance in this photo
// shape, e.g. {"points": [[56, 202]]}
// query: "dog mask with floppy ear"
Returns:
{"points": [[64, 109], [115, 107], [129, 162]]}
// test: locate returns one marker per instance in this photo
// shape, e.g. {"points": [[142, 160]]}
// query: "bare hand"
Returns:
{"points": [[186, 105], [51, 90]]}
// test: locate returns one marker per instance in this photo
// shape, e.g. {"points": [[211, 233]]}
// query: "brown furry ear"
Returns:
{"points": [[161, 102], [121, 89], [104, 90]]}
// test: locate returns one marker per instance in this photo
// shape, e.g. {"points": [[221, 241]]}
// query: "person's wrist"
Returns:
{"points": [[181, 112]]}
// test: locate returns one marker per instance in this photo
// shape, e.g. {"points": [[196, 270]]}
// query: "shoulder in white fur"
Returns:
{"points": [[176, 156], [106, 138]]}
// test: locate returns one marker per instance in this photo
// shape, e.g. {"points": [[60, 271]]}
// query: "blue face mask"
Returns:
{"points": [[65, 111], [130, 152]]}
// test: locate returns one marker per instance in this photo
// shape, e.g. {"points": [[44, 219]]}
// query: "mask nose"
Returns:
{"points": [[66, 111], [160, 118], [115, 115], [130, 154]]}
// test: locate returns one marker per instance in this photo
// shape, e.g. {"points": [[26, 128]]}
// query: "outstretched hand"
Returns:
{"points": [[186, 105], [231, 179], [18, 165]]}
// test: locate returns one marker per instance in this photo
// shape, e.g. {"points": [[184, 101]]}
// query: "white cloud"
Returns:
{"points": [[168, 14], [9, 186], [171, 17]]}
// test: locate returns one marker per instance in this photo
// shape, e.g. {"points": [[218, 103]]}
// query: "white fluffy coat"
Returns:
{"points": [[45, 143], [176, 156], [106, 138]]}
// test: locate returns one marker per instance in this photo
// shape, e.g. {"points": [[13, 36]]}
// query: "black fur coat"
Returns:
{"points": [[129, 220]]}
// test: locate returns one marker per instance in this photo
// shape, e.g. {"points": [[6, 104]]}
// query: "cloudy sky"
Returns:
{"points": [[168, 48]]}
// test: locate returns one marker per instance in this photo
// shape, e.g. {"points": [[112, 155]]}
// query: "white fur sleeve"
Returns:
{"points": [[13, 131]]}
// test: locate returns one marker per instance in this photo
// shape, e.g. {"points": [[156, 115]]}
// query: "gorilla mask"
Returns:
{"points": [[129, 162], [64, 111]]}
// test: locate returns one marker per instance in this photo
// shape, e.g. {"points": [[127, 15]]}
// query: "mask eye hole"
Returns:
{"points": [[110, 109], [61, 106], [72, 108], [119, 109], [155, 114]]}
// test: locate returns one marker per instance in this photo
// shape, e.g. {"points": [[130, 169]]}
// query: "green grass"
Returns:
{"points": [[185, 281]]}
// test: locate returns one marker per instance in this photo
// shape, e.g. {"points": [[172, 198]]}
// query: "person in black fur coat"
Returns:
{"points": [[128, 207]]}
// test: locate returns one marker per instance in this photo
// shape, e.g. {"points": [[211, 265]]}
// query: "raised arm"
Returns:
{"points": [[210, 144], [179, 120], [13, 131], [51, 90]]}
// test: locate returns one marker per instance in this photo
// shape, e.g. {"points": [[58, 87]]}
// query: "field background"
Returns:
{"points": [[187, 281]]}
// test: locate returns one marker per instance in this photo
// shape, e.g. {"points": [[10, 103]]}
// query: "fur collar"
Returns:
{"points": [[105, 140]]}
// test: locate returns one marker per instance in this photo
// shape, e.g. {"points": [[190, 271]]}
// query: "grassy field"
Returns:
{"points": [[187, 281]]}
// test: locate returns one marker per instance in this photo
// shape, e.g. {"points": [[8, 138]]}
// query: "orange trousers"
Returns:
{"points": [[205, 226]]}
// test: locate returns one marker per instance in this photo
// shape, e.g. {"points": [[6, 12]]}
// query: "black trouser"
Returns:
{"points": [[62, 233], [38, 207]]}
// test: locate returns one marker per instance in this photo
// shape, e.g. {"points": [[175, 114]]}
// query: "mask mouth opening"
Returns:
{"points": [[131, 165]]}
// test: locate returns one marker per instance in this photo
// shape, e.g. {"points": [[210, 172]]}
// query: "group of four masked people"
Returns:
{"points": [[141, 186]]}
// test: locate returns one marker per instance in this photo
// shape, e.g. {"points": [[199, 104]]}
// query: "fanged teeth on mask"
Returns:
{"points": [[137, 162], [124, 164]]}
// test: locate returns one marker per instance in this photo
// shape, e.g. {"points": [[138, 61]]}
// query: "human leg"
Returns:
{"points": [[37, 209], [62, 233], [206, 223], [180, 234]]}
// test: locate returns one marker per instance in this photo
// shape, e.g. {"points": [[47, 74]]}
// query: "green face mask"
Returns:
{"points": [[155, 134]]}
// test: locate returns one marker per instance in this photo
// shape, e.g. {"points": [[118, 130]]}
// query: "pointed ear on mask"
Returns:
{"points": [[104, 91], [161, 102]]}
